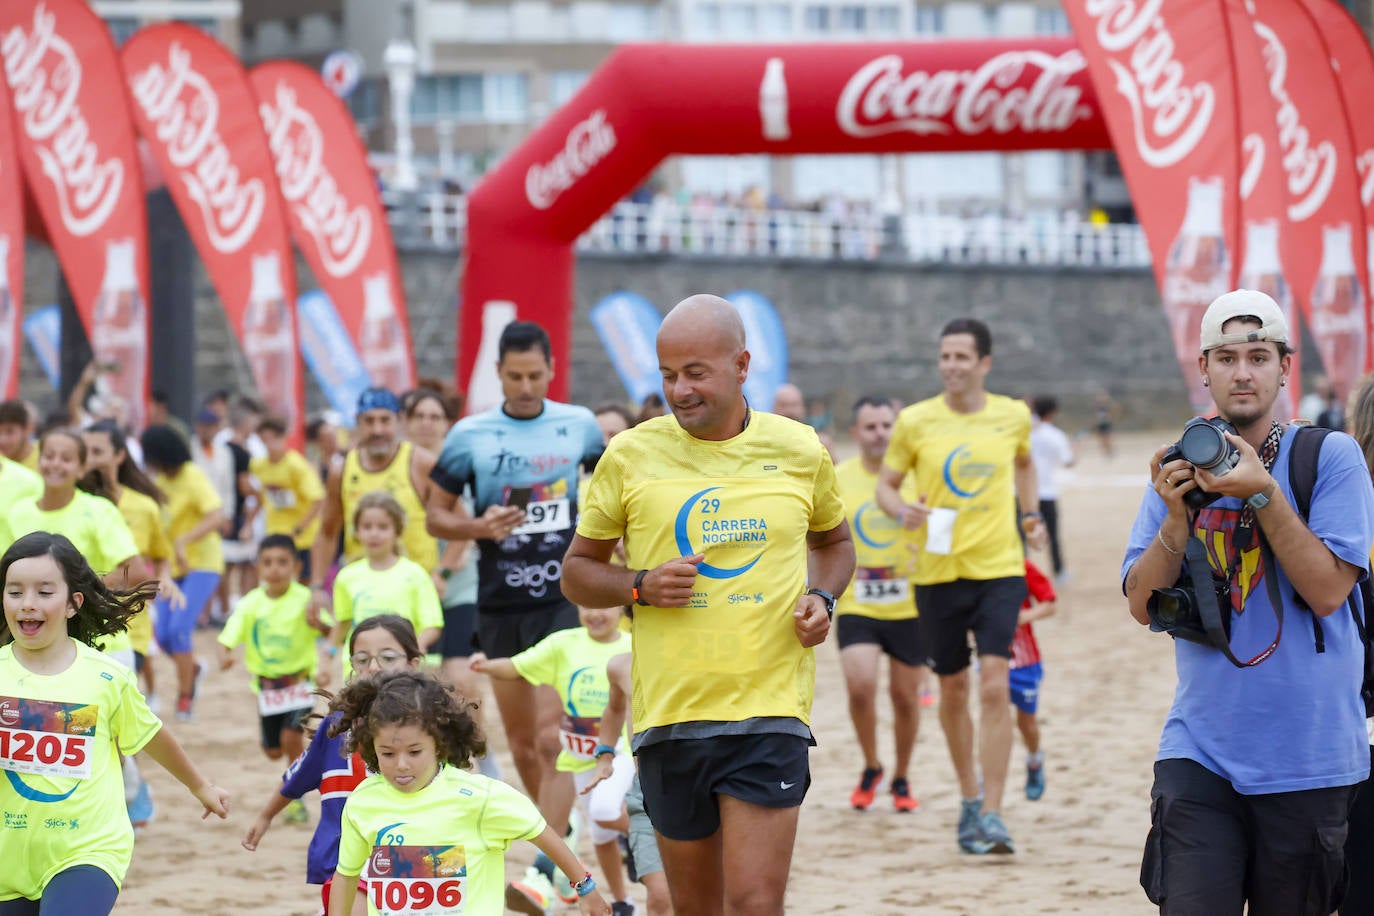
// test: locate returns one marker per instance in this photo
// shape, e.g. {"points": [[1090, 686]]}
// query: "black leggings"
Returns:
{"points": [[82, 889]]}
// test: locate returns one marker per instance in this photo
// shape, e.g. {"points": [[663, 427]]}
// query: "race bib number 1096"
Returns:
{"points": [[417, 880]]}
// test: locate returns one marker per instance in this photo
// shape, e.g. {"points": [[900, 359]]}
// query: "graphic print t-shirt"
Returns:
{"points": [[881, 587], [747, 503], [61, 785], [493, 452]]}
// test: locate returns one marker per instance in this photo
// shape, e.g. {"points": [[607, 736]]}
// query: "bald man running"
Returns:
{"points": [[722, 509]]}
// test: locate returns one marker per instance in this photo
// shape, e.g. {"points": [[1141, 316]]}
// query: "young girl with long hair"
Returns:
{"points": [[425, 832], [70, 712]]}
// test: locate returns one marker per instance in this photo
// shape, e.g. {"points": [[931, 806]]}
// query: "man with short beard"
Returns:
{"points": [[382, 460]]}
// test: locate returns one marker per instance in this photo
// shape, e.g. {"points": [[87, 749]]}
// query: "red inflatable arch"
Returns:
{"points": [[648, 102]]}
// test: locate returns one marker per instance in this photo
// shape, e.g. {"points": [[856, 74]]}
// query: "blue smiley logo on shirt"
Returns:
{"points": [[684, 542]]}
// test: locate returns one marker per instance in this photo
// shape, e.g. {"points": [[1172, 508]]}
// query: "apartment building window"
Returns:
{"points": [[776, 20], [563, 85], [740, 20], [887, 20], [1051, 22], [816, 19], [481, 98], [852, 19], [706, 20], [633, 22], [365, 101], [930, 20]]}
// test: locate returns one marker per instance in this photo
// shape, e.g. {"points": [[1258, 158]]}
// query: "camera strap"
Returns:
{"points": [[1210, 610]]}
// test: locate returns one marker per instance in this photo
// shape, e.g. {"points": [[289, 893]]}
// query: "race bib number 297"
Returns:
{"points": [[45, 738]]}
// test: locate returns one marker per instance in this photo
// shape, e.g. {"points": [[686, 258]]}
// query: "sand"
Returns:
{"points": [[1107, 688]]}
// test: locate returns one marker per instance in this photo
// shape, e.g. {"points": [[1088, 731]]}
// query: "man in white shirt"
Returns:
{"points": [[1050, 450]]}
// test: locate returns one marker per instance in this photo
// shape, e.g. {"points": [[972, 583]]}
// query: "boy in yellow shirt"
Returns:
{"points": [[290, 490], [280, 654]]}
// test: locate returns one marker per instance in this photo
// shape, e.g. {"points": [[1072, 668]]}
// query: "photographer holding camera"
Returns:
{"points": [[1259, 759]]}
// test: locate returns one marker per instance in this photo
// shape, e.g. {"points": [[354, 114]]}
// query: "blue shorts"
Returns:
{"points": [[1025, 687], [173, 629]]}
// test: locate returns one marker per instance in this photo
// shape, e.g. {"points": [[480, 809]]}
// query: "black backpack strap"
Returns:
{"points": [[1302, 480]]}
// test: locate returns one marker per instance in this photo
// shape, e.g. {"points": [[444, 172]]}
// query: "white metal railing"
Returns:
{"points": [[440, 219]]}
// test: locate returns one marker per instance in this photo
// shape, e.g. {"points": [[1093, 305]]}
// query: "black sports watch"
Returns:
{"points": [[825, 596]]}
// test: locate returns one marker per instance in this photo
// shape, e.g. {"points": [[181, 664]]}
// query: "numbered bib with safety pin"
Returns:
{"points": [[871, 586], [43, 738], [417, 880], [277, 695]]}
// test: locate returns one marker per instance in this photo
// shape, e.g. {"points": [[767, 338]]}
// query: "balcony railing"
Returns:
{"points": [[439, 220]]}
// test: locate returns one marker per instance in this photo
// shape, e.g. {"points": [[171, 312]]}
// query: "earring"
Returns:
{"points": [[1283, 383], [1206, 382]]}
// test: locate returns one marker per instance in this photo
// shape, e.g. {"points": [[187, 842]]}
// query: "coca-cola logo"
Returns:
{"points": [[879, 99], [1311, 169], [1169, 115], [184, 109], [341, 233], [45, 74], [588, 143]]}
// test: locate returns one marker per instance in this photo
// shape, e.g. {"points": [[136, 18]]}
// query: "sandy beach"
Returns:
{"points": [[1107, 687]]}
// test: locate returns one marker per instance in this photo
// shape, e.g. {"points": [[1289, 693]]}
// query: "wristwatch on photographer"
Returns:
{"points": [[1261, 499], [825, 596]]}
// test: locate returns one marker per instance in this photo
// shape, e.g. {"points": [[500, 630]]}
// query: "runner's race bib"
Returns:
{"points": [[45, 738], [277, 695], [281, 497], [580, 736], [880, 585], [545, 516], [417, 880]]}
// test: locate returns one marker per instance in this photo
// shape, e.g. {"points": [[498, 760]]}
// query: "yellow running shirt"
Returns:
{"points": [[748, 504], [290, 487], [62, 795], [394, 479], [191, 497], [881, 588], [406, 589], [277, 640], [574, 664], [17, 484], [144, 517], [965, 462], [444, 845]]}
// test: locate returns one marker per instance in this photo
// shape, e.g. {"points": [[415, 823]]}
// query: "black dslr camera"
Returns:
{"points": [[1195, 614], [1204, 445]]}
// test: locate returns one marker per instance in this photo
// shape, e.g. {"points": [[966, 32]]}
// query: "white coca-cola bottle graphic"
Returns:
{"points": [[1338, 311], [773, 101], [269, 341], [484, 388], [119, 330], [1197, 271], [9, 331], [382, 344], [1262, 270]]}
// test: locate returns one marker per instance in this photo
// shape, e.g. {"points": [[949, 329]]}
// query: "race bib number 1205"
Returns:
{"points": [[45, 738]]}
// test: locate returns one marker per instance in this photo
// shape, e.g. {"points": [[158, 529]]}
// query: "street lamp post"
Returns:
{"points": [[399, 60]]}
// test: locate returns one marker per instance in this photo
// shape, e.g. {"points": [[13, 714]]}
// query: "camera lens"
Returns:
{"points": [[1167, 608], [1202, 445]]}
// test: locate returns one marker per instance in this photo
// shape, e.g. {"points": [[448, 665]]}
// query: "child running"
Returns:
{"points": [[382, 643], [645, 861], [66, 713], [431, 836], [1026, 674], [383, 581], [573, 662], [271, 621]]}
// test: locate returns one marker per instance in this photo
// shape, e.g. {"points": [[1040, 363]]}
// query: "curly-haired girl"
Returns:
{"points": [[431, 834], [67, 713]]}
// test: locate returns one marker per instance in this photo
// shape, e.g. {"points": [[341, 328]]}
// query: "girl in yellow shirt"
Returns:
{"points": [[194, 515], [70, 711]]}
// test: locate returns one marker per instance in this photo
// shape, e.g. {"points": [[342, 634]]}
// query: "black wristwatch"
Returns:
{"points": [[825, 596]]}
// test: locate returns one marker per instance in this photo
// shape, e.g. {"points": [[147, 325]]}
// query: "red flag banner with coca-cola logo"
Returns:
{"points": [[11, 251], [194, 107], [650, 101], [1329, 268], [1266, 242], [1354, 65], [336, 215], [1168, 91], [76, 142]]}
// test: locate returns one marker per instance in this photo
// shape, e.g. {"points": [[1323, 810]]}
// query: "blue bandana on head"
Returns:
{"points": [[378, 399]]}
